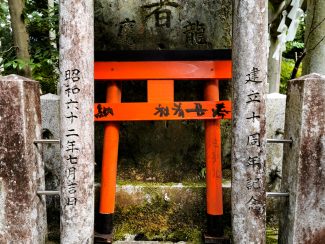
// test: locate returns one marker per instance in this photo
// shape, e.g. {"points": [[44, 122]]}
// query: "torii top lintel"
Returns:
{"points": [[151, 64]]}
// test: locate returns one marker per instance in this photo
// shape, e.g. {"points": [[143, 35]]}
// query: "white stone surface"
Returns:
{"points": [[275, 116]]}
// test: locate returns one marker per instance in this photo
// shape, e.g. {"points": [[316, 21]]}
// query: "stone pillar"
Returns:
{"points": [[22, 211], [248, 154], [275, 116], [303, 213], [314, 61], [274, 67], [50, 107], [77, 120]]}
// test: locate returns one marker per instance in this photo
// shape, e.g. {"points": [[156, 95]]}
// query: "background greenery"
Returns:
{"points": [[44, 56], [289, 57]]}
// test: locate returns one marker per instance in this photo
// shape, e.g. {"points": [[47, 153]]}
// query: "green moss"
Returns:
{"points": [[194, 184], [186, 234], [271, 235], [144, 184], [201, 184], [159, 220]]}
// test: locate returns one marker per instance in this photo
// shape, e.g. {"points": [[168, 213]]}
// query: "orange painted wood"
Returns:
{"points": [[158, 111], [110, 154], [168, 70], [160, 90], [213, 155]]}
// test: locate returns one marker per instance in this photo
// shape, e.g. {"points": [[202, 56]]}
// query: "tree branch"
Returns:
{"points": [[278, 12], [301, 57], [311, 25], [313, 48], [8, 50], [304, 53], [297, 64], [314, 28]]}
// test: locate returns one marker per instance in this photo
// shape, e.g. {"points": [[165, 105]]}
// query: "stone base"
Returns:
{"points": [[103, 238], [147, 242], [217, 240], [171, 212]]}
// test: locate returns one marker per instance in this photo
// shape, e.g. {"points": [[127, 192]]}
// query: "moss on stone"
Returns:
{"points": [[160, 220], [271, 235], [164, 212], [121, 182]]}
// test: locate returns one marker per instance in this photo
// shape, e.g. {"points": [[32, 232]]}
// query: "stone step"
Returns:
{"points": [[146, 242]]}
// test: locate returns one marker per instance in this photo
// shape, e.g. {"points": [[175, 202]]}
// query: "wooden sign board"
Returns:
{"points": [[201, 110]]}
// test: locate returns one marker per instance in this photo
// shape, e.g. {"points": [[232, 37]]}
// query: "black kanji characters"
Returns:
{"points": [[161, 12], [72, 201], [178, 110], [103, 111], [254, 97], [253, 76], [195, 33], [255, 204], [199, 110], [254, 162], [220, 110], [253, 117], [162, 111], [254, 140], [72, 75]]}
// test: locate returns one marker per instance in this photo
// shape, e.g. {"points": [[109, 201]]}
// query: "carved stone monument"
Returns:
{"points": [[157, 24]]}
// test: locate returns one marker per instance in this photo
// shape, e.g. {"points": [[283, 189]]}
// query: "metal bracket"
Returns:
{"points": [[47, 141], [279, 140], [48, 193], [277, 194]]}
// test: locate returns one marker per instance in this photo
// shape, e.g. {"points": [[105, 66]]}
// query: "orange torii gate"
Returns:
{"points": [[160, 69]]}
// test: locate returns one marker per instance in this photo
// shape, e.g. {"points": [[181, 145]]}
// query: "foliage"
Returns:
{"points": [[295, 47], [271, 235], [44, 55], [5, 35], [293, 50], [286, 70]]}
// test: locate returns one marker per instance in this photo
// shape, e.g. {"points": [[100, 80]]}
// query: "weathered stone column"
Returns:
{"points": [[274, 67], [22, 211], [77, 123], [303, 214], [248, 153]]}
